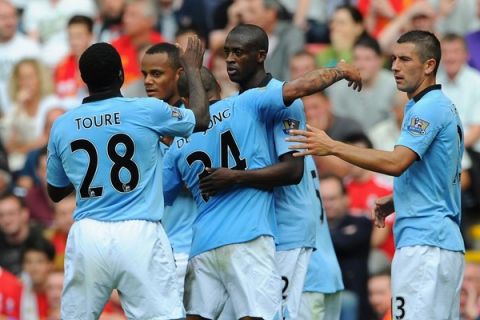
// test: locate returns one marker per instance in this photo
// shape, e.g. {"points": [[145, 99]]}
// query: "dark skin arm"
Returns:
{"points": [[287, 172], [191, 59], [319, 79], [57, 194]]}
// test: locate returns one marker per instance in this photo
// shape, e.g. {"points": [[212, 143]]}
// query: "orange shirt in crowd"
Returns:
{"points": [[68, 81], [397, 5], [129, 55]]}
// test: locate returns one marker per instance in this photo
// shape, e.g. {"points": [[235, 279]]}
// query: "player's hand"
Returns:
{"points": [[192, 55], [351, 74], [383, 208], [217, 180], [312, 142]]}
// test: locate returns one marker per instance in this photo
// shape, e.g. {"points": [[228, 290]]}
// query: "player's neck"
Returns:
{"points": [[255, 81]]}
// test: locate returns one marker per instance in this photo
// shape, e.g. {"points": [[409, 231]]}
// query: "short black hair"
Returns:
{"points": [[358, 137], [426, 44], [209, 82], [367, 41], [171, 50], [40, 244], [80, 19], [101, 67], [252, 35]]}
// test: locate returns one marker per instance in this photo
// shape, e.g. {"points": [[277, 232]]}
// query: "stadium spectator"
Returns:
{"points": [[108, 25], [53, 291], [113, 205], [138, 21], [319, 114], [36, 200], [378, 13], [68, 84], [470, 294], [14, 232], [14, 46], [62, 222], [346, 28], [351, 240], [37, 263], [372, 104], [30, 92], [426, 195], [301, 63], [10, 295], [380, 295], [285, 39], [472, 40], [27, 177]]}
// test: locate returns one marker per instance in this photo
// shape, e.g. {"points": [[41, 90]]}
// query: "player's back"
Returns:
{"points": [[236, 139], [109, 151]]}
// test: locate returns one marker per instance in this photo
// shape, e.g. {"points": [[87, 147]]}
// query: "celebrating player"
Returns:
{"points": [[107, 150]]}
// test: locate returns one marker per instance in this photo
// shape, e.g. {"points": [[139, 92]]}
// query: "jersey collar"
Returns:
{"points": [[425, 91], [262, 83], [103, 95]]}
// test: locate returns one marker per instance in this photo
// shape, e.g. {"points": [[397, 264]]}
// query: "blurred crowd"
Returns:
{"points": [[42, 40]]}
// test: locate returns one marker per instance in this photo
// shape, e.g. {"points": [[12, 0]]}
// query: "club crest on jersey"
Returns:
{"points": [[176, 113], [289, 124], [417, 126]]}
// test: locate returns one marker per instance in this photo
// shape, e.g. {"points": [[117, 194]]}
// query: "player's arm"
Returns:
{"points": [[191, 59], [317, 142], [320, 79], [57, 194], [287, 172]]}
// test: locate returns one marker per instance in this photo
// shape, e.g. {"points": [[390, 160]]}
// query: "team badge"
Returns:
{"points": [[289, 124], [176, 113], [417, 126]]}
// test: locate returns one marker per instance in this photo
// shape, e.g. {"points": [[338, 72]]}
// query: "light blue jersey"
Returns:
{"points": [[236, 139], [296, 222], [109, 150], [179, 214], [324, 274], [427, 194]]}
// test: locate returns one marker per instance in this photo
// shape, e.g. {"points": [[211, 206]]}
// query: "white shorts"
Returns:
{"points": [[320, 306], [132, 256], [426, 283], [292, 266], [245, 273], [181, 262]]}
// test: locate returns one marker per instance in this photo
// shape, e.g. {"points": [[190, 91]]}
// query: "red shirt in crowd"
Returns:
{"points": [[129, 55], [10, 295], [68, 81]]}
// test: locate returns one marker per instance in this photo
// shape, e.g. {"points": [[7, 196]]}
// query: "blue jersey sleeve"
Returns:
{"points": [[172, 181], [290, 118], [420, 127], [265, 101], [56, 175], [171, 121]]}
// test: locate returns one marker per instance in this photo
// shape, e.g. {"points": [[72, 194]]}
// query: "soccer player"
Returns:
{"points": [[245, 56], [426, 195], [107, 150], [161, 70], [232, 251], [321, 297]]}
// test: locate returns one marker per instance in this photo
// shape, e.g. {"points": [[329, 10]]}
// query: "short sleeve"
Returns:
{"points": [[56, 175], [172, 182], [265, 101], [420, 127], [171, 121], [289, 118]]}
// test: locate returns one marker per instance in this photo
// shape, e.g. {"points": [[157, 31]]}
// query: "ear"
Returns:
{"points": [[429, 66], [177, 74], [261, 56]]}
